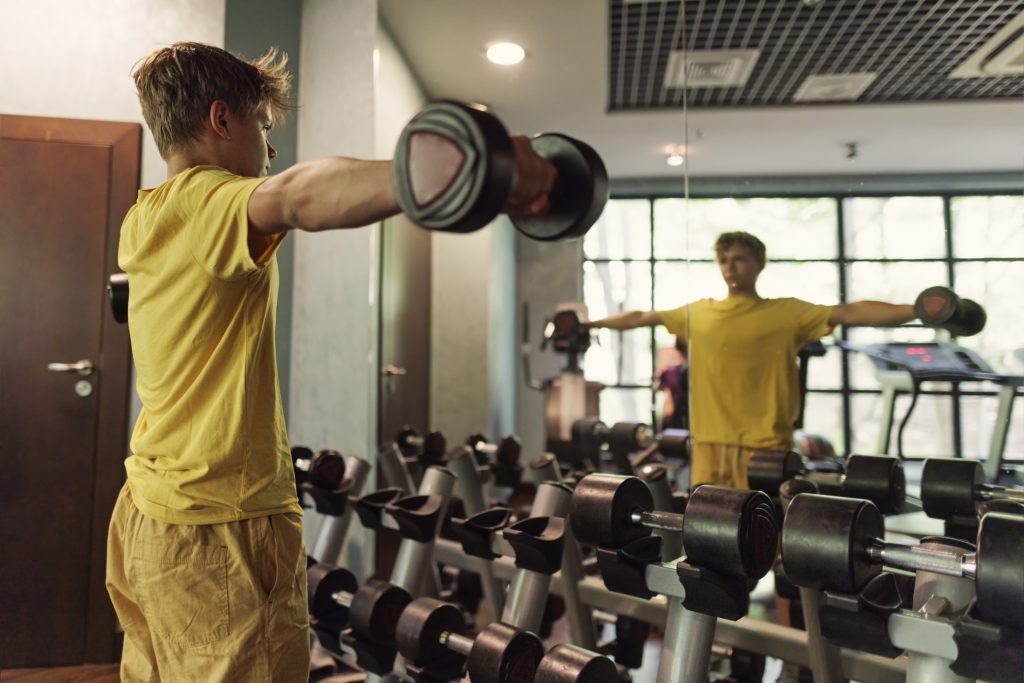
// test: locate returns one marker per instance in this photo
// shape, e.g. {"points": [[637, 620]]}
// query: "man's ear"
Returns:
{"points": [[218, 119]]}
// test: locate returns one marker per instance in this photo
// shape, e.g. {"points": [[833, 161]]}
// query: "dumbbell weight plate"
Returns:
{"points": [[731, 531], [402, 441], [301, 453], [935, 305], [580, 193], [629, 437], [420, 627], [375, 610], [877, 478], [949, 487], [602, 505], [566, 662], [767, 470], [454, 167], [322, 582], [327, 470], [969, 320], [1000, 575], [825, 542], [503, 654]]}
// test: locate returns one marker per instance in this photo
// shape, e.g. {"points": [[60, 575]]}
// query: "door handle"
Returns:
{"points": [[392, 371], [82, 367]]}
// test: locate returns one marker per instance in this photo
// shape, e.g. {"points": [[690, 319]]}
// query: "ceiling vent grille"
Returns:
{"points": [[710, 68], [834, 87], [1002, 55]]}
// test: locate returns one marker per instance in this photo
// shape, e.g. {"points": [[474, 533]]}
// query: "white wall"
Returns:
{"points": [[74, 59], [397, 94], [335, 306]]}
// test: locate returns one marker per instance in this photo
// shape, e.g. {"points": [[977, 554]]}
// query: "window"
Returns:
{"points": [[657, 254]]}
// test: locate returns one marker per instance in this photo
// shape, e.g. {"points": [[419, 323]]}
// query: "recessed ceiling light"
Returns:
{"points": [[674, 159], [505, 54]]}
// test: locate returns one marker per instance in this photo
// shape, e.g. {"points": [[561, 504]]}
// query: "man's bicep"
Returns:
{"points": [[266, 209]]}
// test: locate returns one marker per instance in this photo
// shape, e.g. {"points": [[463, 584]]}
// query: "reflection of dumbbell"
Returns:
{"points": [[429, 637], [430, 449], [941, 307], [590, 436], [879, 479], [836, 544], [335, 603], [726, 530], [325, 469], [456, 168], [503, 457], [955, 487]]}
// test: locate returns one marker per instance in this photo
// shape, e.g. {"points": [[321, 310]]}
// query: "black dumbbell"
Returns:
{"points": [[941, 307], [590, 436], [877, 478], [429, 632], [325, 469], [429, 636], [571, 664], [371, 610], [953, 486], [502, 457], [836, 544], [430, 448], [117, 294], [726, 530], [455, 169]]}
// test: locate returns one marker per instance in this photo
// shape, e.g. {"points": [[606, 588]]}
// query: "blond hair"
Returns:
{"points": [[177, 85], [728, 240]]}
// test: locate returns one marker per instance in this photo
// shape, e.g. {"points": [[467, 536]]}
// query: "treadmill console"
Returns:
{"points": [[933, 360]]}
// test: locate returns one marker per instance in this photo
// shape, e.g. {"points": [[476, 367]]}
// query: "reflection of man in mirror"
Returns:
{"points": [[743, 359], [674, 381]]}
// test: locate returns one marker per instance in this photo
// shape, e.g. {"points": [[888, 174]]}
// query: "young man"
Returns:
{"points": [[206, 564], [744, 386]]}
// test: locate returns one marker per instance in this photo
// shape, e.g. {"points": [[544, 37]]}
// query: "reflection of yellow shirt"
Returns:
{"points": [[744, 384], [210, 444]]}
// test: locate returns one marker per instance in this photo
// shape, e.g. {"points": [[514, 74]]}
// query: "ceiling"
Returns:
{"points": [[595, 69], [909, 46]]}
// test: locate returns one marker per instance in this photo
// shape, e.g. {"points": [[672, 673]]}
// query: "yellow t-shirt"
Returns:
{"points": [[210, 444], [744, 383]]}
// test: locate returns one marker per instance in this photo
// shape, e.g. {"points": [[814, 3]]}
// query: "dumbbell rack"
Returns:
{"points": [[760, 637]]}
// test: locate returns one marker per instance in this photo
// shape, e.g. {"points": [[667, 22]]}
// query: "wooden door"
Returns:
{"points": [[64, 188]]}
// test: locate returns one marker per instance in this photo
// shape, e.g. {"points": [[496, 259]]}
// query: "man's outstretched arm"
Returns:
{"points": [[627, 320], [324, 194], [871, 313]]}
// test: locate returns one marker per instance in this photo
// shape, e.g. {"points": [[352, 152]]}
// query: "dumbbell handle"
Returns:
{"points": [[917, 558], [456, 643], [343, 598], [484, 447], [993, 492], [669, 521]]}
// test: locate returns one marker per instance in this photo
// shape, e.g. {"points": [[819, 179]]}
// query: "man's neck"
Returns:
{"points": [[181, 160], [743, 294]]}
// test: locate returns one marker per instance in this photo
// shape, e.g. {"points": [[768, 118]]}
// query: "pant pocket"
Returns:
{"points": [[182, 589]]}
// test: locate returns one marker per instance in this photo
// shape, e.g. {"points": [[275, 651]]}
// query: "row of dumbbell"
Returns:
{"points": [[429, 634]]}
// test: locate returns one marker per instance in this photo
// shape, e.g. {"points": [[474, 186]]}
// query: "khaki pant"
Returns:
{"points": [[209, 603], [720, 464]]}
